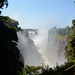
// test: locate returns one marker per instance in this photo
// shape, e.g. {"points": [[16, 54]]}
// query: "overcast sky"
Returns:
{"points": [[39, 13]]}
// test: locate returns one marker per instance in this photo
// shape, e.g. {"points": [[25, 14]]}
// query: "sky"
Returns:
{"points": [[35, 14]]}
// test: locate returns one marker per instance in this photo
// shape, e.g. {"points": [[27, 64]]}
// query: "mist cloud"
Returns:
{"points": [[28, 50], [15, 16]]}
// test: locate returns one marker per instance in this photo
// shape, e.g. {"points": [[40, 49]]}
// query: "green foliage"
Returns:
{"points": [[61, 31], [10, 22], [73, 27], [3, 2], [9, 53], [58, 70], [12, 27], [70, 47], [65, 31], [69, 63], [32, 70]]}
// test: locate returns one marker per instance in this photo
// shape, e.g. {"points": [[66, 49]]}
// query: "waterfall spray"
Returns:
{"points": [[41, 43], [28, 50], [40, 49]]}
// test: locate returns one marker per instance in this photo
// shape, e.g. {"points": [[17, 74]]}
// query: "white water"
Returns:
{"points": [[41, 43], [40, 51], [28, 50], [44, 57]]}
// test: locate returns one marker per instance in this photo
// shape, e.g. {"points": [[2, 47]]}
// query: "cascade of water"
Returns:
{"points": [[28, 50], [41, 43], [39, 49]]}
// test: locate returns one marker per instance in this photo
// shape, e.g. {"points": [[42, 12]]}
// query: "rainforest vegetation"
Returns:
{"points": [[10, 55]]}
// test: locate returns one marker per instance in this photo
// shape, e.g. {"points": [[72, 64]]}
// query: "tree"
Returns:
{"points": [[2, 3], [9, 22], [11, 60], [70, 47], [10, 56]]}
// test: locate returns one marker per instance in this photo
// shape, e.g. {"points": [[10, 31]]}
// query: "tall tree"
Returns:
{"points": [[11, 60], [70, 47]]}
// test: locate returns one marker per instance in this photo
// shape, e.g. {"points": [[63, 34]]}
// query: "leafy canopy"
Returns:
{"points": [[70, 47], [3, 2]]}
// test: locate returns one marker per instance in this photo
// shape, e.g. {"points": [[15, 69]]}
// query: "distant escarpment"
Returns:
{"points": [[59, 36], [57, 39]]}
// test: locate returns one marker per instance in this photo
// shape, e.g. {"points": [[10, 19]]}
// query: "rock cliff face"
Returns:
{"points": [[56, 45], [57, 38], [62, 41]]}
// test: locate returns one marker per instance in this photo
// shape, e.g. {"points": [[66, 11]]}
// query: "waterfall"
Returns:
{"points": [[29, 50], [38, 49]]}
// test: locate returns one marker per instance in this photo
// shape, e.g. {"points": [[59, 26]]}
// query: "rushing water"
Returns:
{"points": [[28, 50], [36, 50]]}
